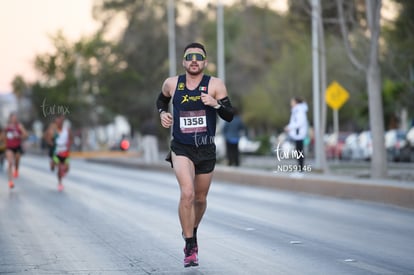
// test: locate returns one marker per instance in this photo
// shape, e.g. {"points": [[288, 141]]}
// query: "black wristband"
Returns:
{"points": [[162, 103], [225, 111]]}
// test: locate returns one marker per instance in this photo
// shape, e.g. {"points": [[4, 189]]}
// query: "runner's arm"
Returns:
{"points": [[164, 99], [48, 135], [224, 108], [23, 130], [70, 139]]}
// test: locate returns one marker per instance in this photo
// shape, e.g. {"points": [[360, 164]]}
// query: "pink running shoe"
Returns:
{"points": [[60, 187], [191, 257]]}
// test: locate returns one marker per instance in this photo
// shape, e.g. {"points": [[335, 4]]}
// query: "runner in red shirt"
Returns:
{"points": [[2, 147], [15, 133]]}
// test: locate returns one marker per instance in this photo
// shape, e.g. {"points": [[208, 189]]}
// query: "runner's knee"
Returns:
{"points": [[200, 200], [187, 196]]}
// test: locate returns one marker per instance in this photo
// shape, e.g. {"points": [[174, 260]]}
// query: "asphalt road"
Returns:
{"points": [[112, 220]]}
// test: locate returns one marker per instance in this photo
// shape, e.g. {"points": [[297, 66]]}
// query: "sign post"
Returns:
{"points": [[335, 97]]}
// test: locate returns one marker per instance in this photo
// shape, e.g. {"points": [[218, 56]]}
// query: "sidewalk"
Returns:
{"points": [[256, 170]]}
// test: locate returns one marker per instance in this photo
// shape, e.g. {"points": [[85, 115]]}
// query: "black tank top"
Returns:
{"points": [[194, 122]]}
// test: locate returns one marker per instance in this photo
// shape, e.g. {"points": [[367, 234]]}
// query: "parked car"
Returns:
{"points": [[395, 140], [358, 146], [365, 143], [410, 136], [407, 151], [334, 145], [350, 149], [246, 146]]}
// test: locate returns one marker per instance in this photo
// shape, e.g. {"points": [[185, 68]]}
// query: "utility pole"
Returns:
{"points": [[316, 82], [171, 45], [220, 42], [171, 38]]}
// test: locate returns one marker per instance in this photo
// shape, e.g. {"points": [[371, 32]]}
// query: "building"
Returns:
{"points": [[8, 104]]}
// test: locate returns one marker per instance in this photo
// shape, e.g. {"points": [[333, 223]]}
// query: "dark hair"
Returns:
{"points": [[196, 45], [298, 99]]}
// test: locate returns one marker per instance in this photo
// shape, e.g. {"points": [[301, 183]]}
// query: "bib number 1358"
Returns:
{"points": [[193, 121]]}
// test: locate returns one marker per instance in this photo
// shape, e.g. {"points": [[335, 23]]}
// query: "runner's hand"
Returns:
{"points": [[208, 100], [166, 119]]}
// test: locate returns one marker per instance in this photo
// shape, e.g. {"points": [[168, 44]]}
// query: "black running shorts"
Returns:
{"points": [[203, 157], [16, 150]]}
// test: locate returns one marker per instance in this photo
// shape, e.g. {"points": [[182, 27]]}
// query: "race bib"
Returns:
{"points": [[12, 134], [193, 121], [61, 148]]}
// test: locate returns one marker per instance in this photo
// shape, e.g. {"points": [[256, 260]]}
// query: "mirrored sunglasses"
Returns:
{"points": [[194, 56]]}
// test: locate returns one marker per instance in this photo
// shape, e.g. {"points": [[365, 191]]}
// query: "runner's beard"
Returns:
{"points": [[192, 72]]}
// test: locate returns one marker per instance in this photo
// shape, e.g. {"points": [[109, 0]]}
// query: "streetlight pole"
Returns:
{"points": [[316, 82], [171, 38], [171, 45], [220, 42]]}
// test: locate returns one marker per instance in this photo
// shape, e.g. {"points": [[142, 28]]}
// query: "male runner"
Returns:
{"points": [[60, 136], [196, 100]]}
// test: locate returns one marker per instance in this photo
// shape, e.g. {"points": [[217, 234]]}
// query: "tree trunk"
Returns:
{"points": [[376, 113], [376, 120], [372, 71]]}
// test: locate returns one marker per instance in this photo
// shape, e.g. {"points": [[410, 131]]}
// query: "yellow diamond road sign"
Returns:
{"points": [[336, 95]]}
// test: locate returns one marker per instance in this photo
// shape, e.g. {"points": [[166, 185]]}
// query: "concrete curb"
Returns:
{"points": [[359, 189], [381, 191]]}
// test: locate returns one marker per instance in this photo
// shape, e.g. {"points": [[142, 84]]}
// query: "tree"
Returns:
{"points": [[143, 47], [370, 66], [268, 102], [22, 92], [267, 57], [19, 86], [70, 79], [398, 58]]}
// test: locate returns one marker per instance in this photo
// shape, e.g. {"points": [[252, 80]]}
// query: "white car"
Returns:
{"points": [[410, 136], [395, 141], [351, 148], [358, 146], [246, 146]]}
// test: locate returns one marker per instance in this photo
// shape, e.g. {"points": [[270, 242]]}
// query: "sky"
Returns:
{"points": [[25, 27]]}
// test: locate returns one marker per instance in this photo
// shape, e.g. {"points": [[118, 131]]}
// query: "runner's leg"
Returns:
{"points": [[66, 166], [16, 164], [184, 171], [202, 186], [61, 171], [10, 162]]}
